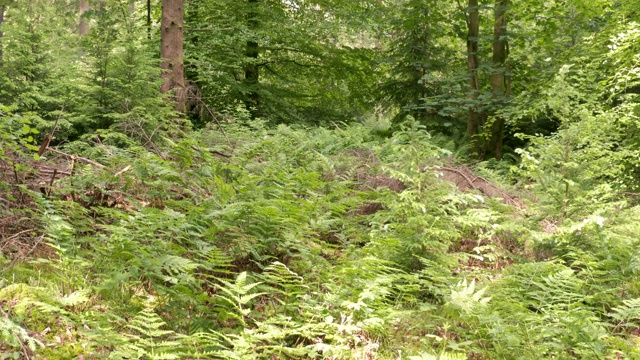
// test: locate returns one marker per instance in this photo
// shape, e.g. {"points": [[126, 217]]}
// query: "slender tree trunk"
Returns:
{"points": [[3, 7], [500, 83], [149, 19], [171, 50], [475, 119], [83, 26], [252, 71]]}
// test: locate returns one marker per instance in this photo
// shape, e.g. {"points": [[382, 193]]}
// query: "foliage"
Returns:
{"points": [[421, 80], [134, 236], [312, 66]]}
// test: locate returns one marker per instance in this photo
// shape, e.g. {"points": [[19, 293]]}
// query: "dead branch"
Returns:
{"points": [[215, 152], [53, 178], [16, 235], [127, 168], [48, 137], [481, 184], [76, 157], [51, 171], [198, 97], [464, 176], [17, 259]]}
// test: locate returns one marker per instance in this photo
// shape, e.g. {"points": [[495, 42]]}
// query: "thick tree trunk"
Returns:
{"points": [[2, 9], [252, 71], [171, 50], [475, 119], [83, 26], [499, 78]]}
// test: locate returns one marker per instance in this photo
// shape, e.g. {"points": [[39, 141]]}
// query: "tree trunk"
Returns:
{"points": [[252, 71], [83, 26], [500, 84], [2, 9], [149, 19], [475, 119], [171, 50]]}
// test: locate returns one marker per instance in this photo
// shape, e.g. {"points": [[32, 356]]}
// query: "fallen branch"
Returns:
{"points": [[481, 184], [464, 176], [127, 168], [51, 171], [76, 157], [16, 235], [214, 152]]}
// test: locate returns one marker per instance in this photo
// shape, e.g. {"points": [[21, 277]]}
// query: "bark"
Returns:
{"points": [[500, 82], [149, 19], [83, 26], [171, 51], [252, 71], [475, 119], [2, 10]]}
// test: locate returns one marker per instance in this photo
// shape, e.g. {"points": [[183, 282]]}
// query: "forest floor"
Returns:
{"points": [[316, 243]]}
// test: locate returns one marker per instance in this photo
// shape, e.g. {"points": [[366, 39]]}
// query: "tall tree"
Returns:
{"points": [[475, 119], [500, 79], [252, 69], [149, 19], [417, 59], [486, 136], [171, 49], [83, 26], [3, 7]]}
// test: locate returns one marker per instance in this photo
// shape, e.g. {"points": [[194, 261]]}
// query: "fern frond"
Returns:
{"points": [[285, 282], [627, 313], [16, 336], [149, 340], [442, 356]]}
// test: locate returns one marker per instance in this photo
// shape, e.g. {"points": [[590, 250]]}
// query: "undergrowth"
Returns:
{"points": [[308, 243]]}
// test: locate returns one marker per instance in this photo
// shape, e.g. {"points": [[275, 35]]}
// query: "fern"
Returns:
{"points": [[628, 313], [148, 340], [177, 268], [16, 336], [465, 297], [290, 286], [441, 356], [237, 295]]}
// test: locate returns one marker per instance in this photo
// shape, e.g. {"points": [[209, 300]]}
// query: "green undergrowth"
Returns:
{"points": [[310, 243]]}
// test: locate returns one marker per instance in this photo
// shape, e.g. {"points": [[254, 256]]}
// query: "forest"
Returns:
{"points": [[320, 179]]}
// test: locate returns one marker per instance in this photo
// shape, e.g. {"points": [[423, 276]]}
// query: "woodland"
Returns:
{"points": [[319, 179]]}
